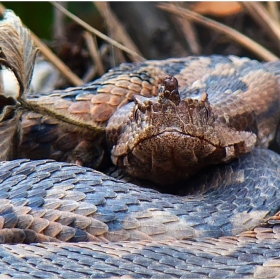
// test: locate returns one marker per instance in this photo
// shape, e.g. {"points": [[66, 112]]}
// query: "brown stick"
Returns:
{"points": [[65, 70], [114, 24], [238, 37], [97, 33], [261, 15], [93, 51]]}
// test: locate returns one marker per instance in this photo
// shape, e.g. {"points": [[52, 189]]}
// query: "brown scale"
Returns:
{"points": [[46, 137], [74, 129]]}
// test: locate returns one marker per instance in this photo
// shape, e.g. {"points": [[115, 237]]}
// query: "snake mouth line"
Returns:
{"points": [[182, 134]]}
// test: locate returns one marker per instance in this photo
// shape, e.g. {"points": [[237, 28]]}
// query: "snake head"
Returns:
{"points": [[166, 139]]}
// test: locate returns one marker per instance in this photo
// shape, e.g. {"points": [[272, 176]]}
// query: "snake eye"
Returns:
{"points": [[135, 115], [207, 113]]}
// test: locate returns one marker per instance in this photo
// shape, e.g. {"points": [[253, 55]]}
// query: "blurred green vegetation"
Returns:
{"points": [[39, 16]]}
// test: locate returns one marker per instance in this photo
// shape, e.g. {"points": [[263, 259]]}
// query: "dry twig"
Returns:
{"points": [[74, 79], [260, 14], [237, 36], [116, 27], [273, 10], [94, 53], [97, 33], [189, 33], [92, 71]]}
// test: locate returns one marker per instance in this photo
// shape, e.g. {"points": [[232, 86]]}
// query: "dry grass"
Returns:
{"points": [[231, 33], [120, 47]]}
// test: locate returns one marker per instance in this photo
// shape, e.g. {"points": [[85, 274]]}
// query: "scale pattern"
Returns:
{"points": [[52, 202], [59, 220]]}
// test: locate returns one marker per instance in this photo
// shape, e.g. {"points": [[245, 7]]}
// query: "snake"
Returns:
{"points": [[199, 127]]}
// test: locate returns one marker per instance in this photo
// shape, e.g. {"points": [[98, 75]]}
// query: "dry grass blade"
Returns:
{"points": [[64, 69], [93, 51], [114, 24], [98, 33], [59, 26], [273, 10], [235, 35], [260, 14], [68, 74], [91, 73], [189, 33], [18, 51]]}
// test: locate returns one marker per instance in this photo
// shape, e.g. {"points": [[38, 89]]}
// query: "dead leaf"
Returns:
{"points": [[17, 50], [17, 53], [9, 120], [217, 8]]}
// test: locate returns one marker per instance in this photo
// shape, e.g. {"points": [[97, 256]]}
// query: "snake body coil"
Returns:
{"points": [[157, 138], [51, 202], [122, 229]]}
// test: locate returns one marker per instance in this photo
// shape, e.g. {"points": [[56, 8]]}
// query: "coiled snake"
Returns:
{"points": [[63, 220]]}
